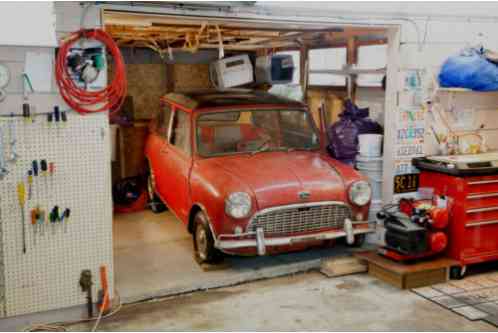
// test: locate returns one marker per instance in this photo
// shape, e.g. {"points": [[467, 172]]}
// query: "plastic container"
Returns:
{"points": [[370, 145], [378, 236], [372, 168]]}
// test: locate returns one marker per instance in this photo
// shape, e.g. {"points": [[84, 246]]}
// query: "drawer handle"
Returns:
{"points": [[480, 210], [479, 223], [479, 182], [482, 195]]}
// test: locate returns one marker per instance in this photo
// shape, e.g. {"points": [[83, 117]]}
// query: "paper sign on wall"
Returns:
{"points": [[39, 68]]}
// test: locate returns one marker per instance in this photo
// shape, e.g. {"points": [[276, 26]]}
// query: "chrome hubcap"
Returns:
{"points": [[201, 241]]}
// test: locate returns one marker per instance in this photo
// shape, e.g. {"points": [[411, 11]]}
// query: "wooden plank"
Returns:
{"points": [[425, 278], [344, 265], [385, 275], [429, 264]]}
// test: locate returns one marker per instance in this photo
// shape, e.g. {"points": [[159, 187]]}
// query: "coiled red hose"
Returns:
{"points": [[84, 101]]}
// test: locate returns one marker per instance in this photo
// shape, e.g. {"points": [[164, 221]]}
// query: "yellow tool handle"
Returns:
{"points": [[21, 193], [30, 180]]}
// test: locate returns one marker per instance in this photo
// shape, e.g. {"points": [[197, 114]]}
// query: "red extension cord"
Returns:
{"points": [[83, 101]]}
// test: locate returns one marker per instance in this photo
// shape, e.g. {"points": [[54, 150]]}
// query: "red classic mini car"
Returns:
{"points": [[247, 174]]}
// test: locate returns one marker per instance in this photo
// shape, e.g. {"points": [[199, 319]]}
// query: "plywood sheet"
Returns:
{"points": [[332, 103], [191, 77], [146, 84]]}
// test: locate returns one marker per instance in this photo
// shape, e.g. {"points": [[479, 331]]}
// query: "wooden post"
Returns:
{"points": [[352, 59], [304, 70]]}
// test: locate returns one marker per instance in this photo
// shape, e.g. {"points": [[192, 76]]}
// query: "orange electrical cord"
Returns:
{"points": [[110, 98]]}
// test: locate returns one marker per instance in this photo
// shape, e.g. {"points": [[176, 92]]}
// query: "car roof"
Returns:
{"points": [[208, 99]]}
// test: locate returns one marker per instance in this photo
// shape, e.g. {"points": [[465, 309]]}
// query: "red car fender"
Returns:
{"points": [[209, 188], [349, 176]]}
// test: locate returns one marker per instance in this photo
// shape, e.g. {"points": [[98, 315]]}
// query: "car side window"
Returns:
{"points": [[180, 131], [162, 121]]}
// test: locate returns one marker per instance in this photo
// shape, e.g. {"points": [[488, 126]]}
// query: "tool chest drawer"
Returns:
{"points": [[473, 203]]}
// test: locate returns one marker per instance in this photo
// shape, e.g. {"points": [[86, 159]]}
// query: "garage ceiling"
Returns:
{"points": [[165, 33]]}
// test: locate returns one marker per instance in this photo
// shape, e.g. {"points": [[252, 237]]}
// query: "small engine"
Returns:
{"points": [[414, 230]]}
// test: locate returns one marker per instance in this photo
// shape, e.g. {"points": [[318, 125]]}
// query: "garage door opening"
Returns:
{"points": [[153, 252]]}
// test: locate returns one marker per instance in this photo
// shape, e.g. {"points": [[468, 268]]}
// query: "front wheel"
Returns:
{"points": [[205, 252]]}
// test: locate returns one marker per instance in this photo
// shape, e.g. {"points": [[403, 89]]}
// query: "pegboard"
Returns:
{"points": [[46, 277]]}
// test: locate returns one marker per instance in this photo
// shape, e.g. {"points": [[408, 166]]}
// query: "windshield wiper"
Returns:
{"points": [[260, 150], [300, 148]]}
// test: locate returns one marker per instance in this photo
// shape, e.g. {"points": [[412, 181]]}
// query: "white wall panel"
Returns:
{"points": [[27, 23]]}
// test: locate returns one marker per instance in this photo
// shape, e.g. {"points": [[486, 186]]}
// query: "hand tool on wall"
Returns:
{"points": [[3, 167], [54, 217], [104, 301], [65, 218], [12, 136], [34, 223], [21, 196], [34, 170], [51, 172], [30, 184], [44, 172], [41, 220], [86, 286], [26, 112]]}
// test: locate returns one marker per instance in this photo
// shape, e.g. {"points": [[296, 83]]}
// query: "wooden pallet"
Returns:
{"points": [[407, 276]]}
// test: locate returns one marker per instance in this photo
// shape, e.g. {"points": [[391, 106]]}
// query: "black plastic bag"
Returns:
{"points": [[126, 191], [343, 134]]}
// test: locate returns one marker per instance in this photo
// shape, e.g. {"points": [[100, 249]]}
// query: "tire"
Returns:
{"points": [[456, 273], [205, 252], [155, 203], [359, 240]]}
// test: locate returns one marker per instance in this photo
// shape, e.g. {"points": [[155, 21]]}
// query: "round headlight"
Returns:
{"points": [[238, 205], [360, 193]]}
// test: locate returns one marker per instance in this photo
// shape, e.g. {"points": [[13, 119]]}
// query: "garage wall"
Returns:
{"points": [[67, 18]]}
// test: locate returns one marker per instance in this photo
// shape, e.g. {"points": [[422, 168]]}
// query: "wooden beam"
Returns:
{"points": [[352, 59]]}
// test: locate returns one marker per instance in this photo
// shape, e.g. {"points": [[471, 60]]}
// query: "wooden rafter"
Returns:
{"points": [[166, 35]]}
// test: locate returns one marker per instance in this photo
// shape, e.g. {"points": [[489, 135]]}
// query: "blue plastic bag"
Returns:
{"points": [[470, 69]]}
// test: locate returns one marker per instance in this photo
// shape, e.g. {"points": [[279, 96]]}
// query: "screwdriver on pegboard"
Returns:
{"points": [[51, 171], [44, 172], [21, 196], [34, 169], [65, 218], [34, 223], [54, 217], [30, 183]]}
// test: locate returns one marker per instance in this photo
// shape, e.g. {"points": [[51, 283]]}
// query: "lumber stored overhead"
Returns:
{"points": [[165, 34]]}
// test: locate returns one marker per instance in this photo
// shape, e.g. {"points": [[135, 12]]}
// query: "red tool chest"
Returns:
{"points": [[473, 227]]}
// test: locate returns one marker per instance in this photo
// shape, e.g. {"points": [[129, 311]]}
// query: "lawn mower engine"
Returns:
{"points": [[414, 230]]}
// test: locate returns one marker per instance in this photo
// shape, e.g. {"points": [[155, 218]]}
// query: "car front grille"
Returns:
{"points": [[300, 218]]}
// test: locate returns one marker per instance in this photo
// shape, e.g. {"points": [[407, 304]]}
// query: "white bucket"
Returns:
{"points": [[372, 168], [378, 236], [370, 145], [375, 207]]}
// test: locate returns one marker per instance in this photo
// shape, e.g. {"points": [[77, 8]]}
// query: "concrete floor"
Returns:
{"points": [[153, 256], [302, 302]]}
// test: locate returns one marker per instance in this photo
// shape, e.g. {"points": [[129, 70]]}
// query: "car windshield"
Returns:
{"points": [[255, 131]]}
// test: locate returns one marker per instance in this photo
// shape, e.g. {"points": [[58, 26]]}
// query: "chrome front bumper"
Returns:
{"points": [[227, 242]]}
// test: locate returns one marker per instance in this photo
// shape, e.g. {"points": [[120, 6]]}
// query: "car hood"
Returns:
{"points": [[280, 178]]}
